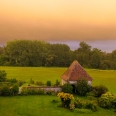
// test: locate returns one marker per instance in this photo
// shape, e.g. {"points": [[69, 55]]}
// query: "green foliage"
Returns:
{"points": [[2, 76], [15, 89], [24, 91], [79, 103], [57, 82], [13, 80], [82, 104], [51, 92], [39, 83], [31, 81], [107, 100], [41, 92], [5, 91], [48, 83], [82, 87], [99, 90], [31, 91], [67, 88]]}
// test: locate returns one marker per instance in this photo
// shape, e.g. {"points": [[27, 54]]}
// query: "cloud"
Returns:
{"points": [[64, 20]]}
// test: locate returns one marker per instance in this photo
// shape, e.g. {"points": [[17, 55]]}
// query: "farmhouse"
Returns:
{"points": [[74, 73]]}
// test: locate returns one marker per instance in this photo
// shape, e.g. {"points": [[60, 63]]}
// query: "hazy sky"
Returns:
{"points": [[58, 20]]}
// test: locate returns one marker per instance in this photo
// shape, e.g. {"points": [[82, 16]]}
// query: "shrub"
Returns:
{"points": [[15, 89], [48, 83], [107, 100], [41, 92], [24, 91], [65, 98], [81, 104], [67, 88], [57, 83], [39, 83], [5, 91], [99, 90], [2, 76], [82, 87], [32, 91], [104, 102], [51, 92], [31, 81], [91, 105], [13, 80], [20, 82]]}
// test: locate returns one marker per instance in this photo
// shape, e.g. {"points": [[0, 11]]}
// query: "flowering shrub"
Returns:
{"points": [[65, 98]]}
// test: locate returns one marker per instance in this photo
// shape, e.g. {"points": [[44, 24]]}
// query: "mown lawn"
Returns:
{"points": [[41, 106]]}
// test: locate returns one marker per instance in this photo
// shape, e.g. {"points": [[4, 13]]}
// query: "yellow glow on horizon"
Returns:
{"points": [[60, 19]]}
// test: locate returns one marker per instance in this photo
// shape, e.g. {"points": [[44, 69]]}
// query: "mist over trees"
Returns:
{"points": [[41, 53]]}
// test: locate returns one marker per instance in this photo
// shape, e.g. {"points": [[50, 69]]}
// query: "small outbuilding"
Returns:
{"points": [[74, 73]]}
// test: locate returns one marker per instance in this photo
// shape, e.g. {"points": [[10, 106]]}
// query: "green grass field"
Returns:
{"points": [[43, 74], [41, 105]]}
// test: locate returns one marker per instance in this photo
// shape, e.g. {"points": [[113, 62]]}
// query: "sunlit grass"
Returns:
{"points": [[43, 74]]}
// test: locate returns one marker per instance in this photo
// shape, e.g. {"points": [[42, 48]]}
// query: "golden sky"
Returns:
{"points": [[57, 20]]}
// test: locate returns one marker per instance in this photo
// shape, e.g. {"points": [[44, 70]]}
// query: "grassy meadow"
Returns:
{"points": [[41, 105], [43, 74]]}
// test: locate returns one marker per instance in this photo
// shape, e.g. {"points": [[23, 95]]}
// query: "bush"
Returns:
{"points": [[67, 88], [57, 83], [5, 91], [91, 105], [2, 76], [32, 91], [41, 92], [65, 99], [39, 83], [21, 82], [82, 87], [14, 80], [50, 92], [99, 90], [15, 89], [48, 83], [107, 100], [81, 104], [24, 91], [31, 81]]}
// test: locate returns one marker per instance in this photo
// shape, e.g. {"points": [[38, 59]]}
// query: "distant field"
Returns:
{"points": [[105, 77]]}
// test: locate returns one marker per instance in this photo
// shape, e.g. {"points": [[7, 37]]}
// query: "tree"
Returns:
{"points": [[95, 58], [83, 54], [2, 76], [26, 52], [82, 87]]}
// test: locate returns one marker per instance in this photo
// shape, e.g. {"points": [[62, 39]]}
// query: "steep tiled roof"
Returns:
{"points": [[75, 72]]}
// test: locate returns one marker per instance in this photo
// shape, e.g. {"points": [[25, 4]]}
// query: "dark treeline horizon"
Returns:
{"points": [[40, 53]]}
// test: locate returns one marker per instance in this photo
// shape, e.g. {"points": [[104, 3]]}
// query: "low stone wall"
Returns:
{"points": [[45, 88]]}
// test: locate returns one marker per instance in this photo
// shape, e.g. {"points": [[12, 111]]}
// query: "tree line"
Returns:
{"points": [[41, 53]]}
